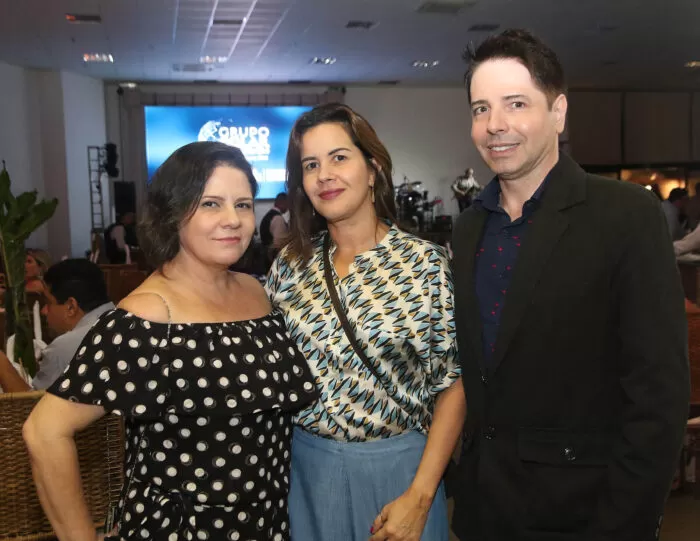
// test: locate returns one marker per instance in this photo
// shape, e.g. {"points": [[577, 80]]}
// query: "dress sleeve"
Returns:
{"points": [[444, 362], [120, 365]]}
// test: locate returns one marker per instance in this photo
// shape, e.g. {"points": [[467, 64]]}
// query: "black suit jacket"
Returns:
{"points": [[574, 431]]}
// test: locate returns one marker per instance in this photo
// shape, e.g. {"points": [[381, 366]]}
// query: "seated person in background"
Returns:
{"points": [[36, 264], [76, 296], [118, 236], [674, 209], [689, 243]]}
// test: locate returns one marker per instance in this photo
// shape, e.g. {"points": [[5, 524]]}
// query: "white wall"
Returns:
{"points": [[427, 132], [20, 136], [84, 119]]}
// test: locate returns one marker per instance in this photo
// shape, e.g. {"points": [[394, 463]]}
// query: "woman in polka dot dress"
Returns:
{"points": [[203, 371]]}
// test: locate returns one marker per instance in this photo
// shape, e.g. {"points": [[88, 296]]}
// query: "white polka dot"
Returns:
{"points": [[177, 340], [117, 339], [140, 409], [177, 364], [267, 392], [250, 359], [243, 379], [261, 374], [216, 363], [191, 487], [232, 498], [122, 366], [218, 523], [65, 384], [235, 421], [224, 382], [142, 362], [198, 362], [202, 383], [249, 486], [217, 485], [209, 402], [236, 474], [231, 403], [185, 433], [87, 388], [191, 344], [188, 404], [133, 343], [185, 458], [202, 421], [171, 472], [202, 446], [219, 462], [99, 355], [130, 387], [111, 395], [160, 456], [202, 498], [246, 394], [97, 339], [152, 384], [199, 472], [242, 516], [220, 436], [226, 341]]}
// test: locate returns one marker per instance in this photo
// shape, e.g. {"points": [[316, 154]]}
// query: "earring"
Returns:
{"points": [[372, 196]]}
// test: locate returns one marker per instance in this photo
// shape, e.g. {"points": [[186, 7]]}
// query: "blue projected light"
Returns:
{"points": [[262, 133]]}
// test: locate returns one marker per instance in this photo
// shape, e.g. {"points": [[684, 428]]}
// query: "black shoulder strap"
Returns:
{"points": [[339, 309]]}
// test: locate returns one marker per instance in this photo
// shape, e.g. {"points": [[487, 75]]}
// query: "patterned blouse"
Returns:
{"points": [[398, 297]]}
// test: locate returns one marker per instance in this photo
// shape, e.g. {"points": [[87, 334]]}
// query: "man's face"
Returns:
{"points": [[61, 318], [513, 126]]}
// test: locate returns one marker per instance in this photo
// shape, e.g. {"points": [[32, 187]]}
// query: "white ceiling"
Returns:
{"points": [[602, 43]]}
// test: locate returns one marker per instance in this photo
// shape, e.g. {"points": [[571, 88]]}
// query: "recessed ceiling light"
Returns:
{"points": [[128, 85], [360, 25], [693, 64], [98, 57], [77, 18], [228, 22], [213, 59], [483, 27], [425, 63], [325, 60]]}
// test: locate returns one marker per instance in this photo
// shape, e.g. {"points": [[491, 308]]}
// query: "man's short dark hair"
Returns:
{"points": [[281, 197], [175, 191], [541, 61], [677, 194], [80, 279]]}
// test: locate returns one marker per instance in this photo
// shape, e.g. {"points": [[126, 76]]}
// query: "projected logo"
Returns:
{"points": [[252, 140]]}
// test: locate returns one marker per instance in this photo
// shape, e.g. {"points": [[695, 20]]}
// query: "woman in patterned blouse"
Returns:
{"points": [[369, 455]]}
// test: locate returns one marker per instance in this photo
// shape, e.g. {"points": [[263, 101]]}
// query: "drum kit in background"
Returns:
{"points": [[416, 212]]}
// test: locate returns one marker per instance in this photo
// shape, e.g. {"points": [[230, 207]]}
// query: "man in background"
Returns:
{"points": [[674, 209], [76, 296]]}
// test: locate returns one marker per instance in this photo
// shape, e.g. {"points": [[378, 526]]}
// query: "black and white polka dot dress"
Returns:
{"points": [[208, 412]]}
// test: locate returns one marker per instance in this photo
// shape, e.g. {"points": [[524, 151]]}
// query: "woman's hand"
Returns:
{"points": [[403, 519]]}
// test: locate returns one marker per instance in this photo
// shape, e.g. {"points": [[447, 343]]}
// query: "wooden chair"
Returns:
{"points": [[100, 453], [122, 280]]}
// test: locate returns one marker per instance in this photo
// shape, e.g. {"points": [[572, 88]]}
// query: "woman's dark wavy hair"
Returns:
{"points": [[175, 191], [303, 222], [539, 59]]}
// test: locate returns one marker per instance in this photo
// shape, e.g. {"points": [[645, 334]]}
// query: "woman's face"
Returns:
{"points": [[223, 223], [337, 177], [31, 267]]}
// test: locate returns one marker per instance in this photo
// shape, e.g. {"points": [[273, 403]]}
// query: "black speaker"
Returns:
{"points": [[110, 163], [442, 224]]}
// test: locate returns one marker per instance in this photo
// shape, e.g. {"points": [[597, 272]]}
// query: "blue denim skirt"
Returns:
{"points": [[338, 488]]}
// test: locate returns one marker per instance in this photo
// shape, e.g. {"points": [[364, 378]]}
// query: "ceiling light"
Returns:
{"points": [[483, 27], [425, 63], [228, 22], [360, 25], [76, 18], [325, 60], [213, 59], [98, 57], [693, 64], [128, 85]]}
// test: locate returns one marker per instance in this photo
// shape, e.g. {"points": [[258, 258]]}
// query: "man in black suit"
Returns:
{"points": [[570, 323]]}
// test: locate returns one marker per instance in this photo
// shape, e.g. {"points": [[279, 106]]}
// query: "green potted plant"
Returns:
{"points": [[19, 217]]}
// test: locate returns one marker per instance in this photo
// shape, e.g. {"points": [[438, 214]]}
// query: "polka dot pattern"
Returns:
{"points": [[213, 433]]}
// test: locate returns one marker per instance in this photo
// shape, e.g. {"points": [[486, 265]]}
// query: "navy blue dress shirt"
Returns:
{"points": [[497, 256]]}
